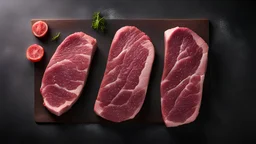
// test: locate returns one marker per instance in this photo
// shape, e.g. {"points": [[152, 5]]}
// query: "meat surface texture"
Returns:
{"points": [[67, 71], [126, 77], [182, 81]]}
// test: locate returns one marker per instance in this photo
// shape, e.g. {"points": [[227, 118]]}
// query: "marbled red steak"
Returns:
{"points": [[67, 71], [183, 76], [124, 85]]}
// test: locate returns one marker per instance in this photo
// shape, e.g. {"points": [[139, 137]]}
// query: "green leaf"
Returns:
{"points": [[56, 36], [98, 22]]}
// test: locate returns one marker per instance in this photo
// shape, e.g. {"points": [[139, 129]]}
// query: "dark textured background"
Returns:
{"points": [[228, 109]]}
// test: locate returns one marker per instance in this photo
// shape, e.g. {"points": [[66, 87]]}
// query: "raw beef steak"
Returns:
{"points": [[183, 76], [125, 82], [67, 71]]}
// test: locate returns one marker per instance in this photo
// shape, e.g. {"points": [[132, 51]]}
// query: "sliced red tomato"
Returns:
{"points": [[35, 53], [39, 28]]}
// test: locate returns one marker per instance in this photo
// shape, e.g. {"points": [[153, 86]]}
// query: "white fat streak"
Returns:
{"points": [[128, 90], [196, 112], [84, 55], [88, 45], [108, 85], [169, 32], [180, 54], [115, 40], [175, 66], [167, 37], [77, 81], [126, 48], [200, 42], [113, 70], [181, 46], [58, 110], [166, 120], [67, 60], [171, 123], [164, 81], [175, 86], [188, 120], [203, 63], [58, 63], [124, 51], [75, 91], [202, 66], [84, 70], [119, 55], [97, 108], [145, 73], [54, 65]]}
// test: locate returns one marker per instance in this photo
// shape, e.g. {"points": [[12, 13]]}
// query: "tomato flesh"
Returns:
{"points": [[35, 53], [39, 28]]}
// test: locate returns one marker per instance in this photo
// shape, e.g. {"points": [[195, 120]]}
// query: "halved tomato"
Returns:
{"points": [[35, 53], [39, 28]]}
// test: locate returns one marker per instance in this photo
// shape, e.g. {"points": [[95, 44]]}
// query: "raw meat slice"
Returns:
{"points": [[185, 65], [125, 82], [67, 71]]}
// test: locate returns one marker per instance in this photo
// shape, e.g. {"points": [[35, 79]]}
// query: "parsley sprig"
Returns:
{"points": [[98, 22]]}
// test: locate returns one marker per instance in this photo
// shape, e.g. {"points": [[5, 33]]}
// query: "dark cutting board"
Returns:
{"points": [[82, 111]]}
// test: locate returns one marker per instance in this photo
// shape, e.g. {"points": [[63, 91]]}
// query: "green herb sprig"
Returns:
{"points": [[56, 36], [98, 22]]}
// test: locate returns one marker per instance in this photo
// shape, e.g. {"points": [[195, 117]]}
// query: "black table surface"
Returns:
{"points": [[228, 108]]}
